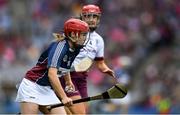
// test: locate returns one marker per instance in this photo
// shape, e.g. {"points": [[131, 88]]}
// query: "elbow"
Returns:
{"points": [[52, 72]]}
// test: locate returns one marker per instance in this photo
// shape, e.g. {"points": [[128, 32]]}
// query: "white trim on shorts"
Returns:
{"points": [[32, 92]]}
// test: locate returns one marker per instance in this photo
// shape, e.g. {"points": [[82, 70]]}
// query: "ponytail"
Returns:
{"points": [[58, 37]]}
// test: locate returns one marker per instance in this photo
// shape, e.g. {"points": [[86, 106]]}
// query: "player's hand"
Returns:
{"points": [[111, 73], [67, 101], [69, 87]]}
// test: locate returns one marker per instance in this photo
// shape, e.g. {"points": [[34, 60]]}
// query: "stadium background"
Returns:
{"points": [[142, 40]]}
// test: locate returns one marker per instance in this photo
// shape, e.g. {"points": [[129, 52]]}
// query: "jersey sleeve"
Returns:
{"points": [[55, 54], [100, 49]]}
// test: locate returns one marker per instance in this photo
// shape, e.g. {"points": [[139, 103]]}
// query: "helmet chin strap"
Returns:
{"points": [[73, 40]]}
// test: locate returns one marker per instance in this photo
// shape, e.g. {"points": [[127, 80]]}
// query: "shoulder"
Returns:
{"points": [[63, 42], [58, 44], [97, 37]]}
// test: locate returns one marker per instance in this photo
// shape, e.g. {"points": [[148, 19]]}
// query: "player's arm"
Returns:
{"points": [[67, 78], [54, 61], [99, 59], [101, 65], [68, 82], [54, 80]]}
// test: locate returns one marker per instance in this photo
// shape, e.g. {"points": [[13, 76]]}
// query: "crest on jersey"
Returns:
{"points": [[65, 59], [69, 61]]}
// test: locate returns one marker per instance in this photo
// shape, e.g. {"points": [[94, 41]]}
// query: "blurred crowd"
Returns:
{"points": [[142, 41]]}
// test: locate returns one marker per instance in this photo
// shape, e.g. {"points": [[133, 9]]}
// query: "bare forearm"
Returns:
{"points": [[104, 68], [101, 65], [67, 78], [54, 80]]}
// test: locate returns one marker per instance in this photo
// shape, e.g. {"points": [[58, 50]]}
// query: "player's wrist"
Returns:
{"points": [[62, 97], [68, 82]]}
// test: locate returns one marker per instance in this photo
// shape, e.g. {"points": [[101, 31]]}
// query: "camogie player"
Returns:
{"points": [[41, 85], [94, 51]]}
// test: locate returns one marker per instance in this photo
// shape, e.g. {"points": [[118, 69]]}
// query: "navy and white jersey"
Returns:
{"points": [[57, 55]]}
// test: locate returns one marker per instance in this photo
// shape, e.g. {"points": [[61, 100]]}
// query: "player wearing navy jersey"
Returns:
{"points": [[41, 85], [94, 50]]}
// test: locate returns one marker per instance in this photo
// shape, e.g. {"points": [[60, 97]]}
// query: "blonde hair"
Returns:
{"points": [[58, 37]]}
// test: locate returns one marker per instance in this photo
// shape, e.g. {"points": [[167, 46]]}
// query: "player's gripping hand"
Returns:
{"points": [[67, 101], [69, 87]]}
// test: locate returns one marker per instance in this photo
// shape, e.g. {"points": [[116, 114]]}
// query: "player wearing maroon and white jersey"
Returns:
{"points": [[41, 85], [94, 50]]}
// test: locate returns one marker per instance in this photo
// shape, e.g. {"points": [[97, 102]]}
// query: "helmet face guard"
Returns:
{"points": [[91, 14], [76, 30]]}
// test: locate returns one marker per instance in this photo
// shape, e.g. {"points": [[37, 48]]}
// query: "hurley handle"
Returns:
{"points": [[74, 102]]}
